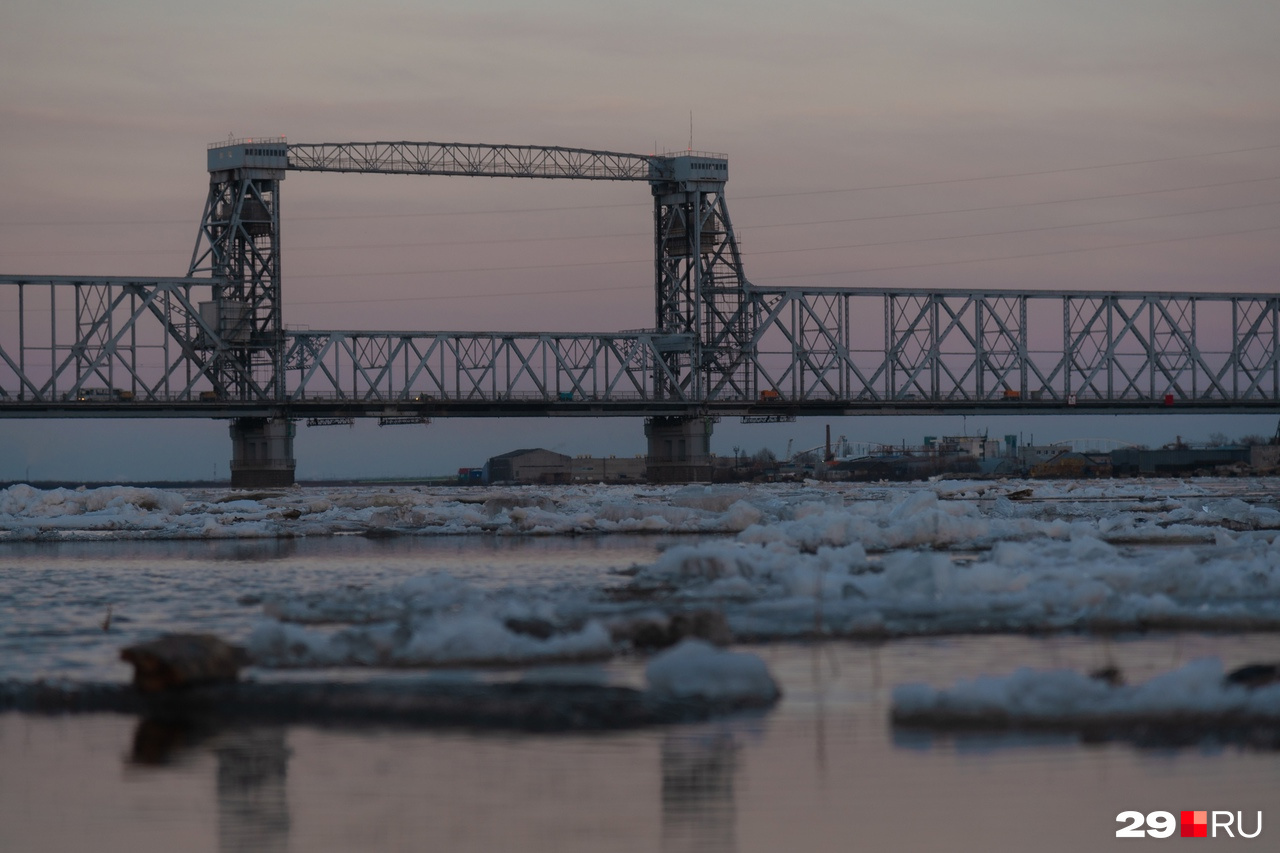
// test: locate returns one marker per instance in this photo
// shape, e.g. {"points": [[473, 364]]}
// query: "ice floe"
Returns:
{"points": [[697, 669], [453, 640], [776, 560], [1199, 690], [880, 517]]}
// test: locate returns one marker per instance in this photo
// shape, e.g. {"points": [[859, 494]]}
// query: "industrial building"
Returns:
{"points": [[539, 466], [529, 465], [1181, 459]]}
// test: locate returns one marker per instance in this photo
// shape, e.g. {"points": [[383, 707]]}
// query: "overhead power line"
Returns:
{"points": [[906, 185], [1013, 231], [1037, 173], [637, 234], [539, 292], [1020, 204], [1076, 250], [808, 250]]}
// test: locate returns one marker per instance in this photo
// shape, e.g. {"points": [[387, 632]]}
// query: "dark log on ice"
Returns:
{"points": [[660, 632], [1254, 675], [183, 660], [531, 707], [1111, 675]]}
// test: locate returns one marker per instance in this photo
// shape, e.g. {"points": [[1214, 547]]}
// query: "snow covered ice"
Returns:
{"points": [[949, 514], [1197, 690], [777, 561], [694, 668]]}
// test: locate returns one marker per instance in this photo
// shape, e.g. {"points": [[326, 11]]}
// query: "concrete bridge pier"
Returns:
{"points": [[262, 453], [679, 449]]}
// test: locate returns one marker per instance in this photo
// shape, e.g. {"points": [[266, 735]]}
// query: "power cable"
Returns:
{"points": [[636, 234], [1029, 255], [791, 251], [1013, 231], [1037, 173], [908, 185], [1076, 250]]}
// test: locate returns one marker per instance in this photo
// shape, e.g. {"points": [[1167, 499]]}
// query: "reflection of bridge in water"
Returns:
{"points": [[213, 343], [698, 768]]}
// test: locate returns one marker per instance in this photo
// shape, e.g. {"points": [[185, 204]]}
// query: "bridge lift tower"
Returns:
{"points": [[701, 311]]}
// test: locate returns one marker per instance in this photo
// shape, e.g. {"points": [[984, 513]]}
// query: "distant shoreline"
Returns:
{"points": [[226, 484]]}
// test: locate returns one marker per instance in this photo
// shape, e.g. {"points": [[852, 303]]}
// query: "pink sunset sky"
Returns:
{"points": [[1092, 145]]}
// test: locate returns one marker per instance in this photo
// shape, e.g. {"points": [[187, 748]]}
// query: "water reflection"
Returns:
{"points": [[161, 741], [253, 810], [124, 551], [698, 811], [699, 768], [252, 774], [916, 739]]}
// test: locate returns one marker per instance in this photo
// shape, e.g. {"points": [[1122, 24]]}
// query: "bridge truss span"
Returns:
{"points": [[115, 340], [1052, 348], [453, 158], [537, 372]]}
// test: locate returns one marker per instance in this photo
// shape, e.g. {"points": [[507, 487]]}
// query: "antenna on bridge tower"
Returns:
{"points": [[690, 130]]}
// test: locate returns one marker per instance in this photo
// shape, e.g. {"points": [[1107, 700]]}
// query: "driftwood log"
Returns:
{"points": [[179, 661]]}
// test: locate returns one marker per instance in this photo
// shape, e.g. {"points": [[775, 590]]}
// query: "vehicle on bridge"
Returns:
{"points": [[102, 395]]}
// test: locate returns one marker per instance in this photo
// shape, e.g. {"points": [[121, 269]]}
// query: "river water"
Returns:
{"points": [[824, 770]]}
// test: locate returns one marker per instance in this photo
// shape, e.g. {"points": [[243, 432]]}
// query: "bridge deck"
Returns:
{"points": [[535, 408]]}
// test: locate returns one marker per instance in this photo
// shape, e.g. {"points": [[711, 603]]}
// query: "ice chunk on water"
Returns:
{"points": [[1027, 695], [480, 639], [811, 517], [697, 669], [454, 640], [919, 574], [25, 500], [710, 498]]}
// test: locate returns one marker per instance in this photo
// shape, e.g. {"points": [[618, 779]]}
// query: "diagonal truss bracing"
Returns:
{"points": [[699, 281], [453, 158], [66, 342], [215, 341], [450, 367], [1064, 348], [112, 340]]}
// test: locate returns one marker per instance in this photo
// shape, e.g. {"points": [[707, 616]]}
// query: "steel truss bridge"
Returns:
{"points": [[810, 351], [213, 343]]}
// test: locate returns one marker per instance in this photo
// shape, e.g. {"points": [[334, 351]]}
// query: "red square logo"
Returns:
{"points": [[1195, 824]]}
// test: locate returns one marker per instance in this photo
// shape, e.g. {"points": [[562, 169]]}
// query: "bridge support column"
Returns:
{"points": [[679, 449], [262, 453]]}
